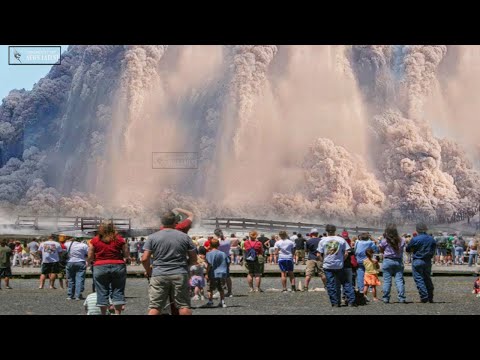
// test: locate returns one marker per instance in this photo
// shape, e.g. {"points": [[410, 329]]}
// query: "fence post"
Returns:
{"points": [[216, 223]]}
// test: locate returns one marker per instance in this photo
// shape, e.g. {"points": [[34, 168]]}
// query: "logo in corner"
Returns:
{"points": [[34, 55]]}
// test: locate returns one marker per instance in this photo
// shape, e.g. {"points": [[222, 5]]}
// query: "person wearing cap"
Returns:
{"points": [[314, 262], [173, 252], [423, 248]]}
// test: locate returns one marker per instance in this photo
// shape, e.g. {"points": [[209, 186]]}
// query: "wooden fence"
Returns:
{"points": [[274, 225]]}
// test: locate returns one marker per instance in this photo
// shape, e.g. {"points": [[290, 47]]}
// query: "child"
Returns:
{"points": [[476, 287], [371, 274], [90, 305], [197, 280], [217, 269]]}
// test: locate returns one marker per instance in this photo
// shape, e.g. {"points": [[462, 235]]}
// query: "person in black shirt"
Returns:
{"points": [[300, 249]]}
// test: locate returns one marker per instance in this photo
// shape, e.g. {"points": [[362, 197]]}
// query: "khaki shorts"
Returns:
{"points": [[314, 267], [255, 267], [300, 254], [162, 286]]}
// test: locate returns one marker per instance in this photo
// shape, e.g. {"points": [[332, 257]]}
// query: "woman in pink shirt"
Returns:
{"points": [[108, 251]]}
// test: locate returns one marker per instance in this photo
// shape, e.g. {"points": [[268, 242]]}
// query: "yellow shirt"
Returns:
{"points": [[370, 266]]}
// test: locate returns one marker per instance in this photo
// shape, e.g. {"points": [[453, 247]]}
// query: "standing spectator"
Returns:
{"points": [[17, 254], [76, 268], [271, 249], [423, 248], [284, 248], [108, 252], [33, 247], [140, 245], [217, 271], [173, 251], [5, 266], [255, 268], [132, 247], [392, 247], [265, 242], [197, 278], [364, 242], [50, 251], [333, 250], [224, 246], [62, 263], [459, 250], [234, 249], [350, 264], [472, 251], [450, 250], [314, 262], [371, 274], [300, 249]]}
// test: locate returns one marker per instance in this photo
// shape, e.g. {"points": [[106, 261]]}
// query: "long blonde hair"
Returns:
{"points": [[107, 232]]}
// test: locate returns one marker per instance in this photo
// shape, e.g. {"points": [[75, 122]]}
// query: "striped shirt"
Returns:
{"points": [[91, 305]]}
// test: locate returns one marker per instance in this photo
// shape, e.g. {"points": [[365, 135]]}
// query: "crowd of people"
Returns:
{"points": [[179, 268]]}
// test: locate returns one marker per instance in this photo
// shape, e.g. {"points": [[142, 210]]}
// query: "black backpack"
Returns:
{"points": [[360, 298]]}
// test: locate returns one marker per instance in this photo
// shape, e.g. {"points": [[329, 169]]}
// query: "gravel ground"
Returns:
{"points": [[452, 296]]}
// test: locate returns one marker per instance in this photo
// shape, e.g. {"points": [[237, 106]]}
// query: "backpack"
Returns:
{"points": [[353, 261], [251, 254], [64, 256], [360, 298]]}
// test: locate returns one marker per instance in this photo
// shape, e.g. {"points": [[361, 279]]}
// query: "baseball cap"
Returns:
{"points": [[345, 234], [314, 231]]}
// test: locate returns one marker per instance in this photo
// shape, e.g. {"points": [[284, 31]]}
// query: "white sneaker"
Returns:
{"points": [[216, 295], [196, 298]]}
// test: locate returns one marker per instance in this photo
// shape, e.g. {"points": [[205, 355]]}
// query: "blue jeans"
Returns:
{"points": [[472, 259], [360, 277], [421, 270], [76, 278], [335, 279], [110, 284], [393, 268]]}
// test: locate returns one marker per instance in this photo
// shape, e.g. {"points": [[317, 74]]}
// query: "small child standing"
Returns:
{"points": [[371, 274], [476, 287], [197, 280], [217, 269]]}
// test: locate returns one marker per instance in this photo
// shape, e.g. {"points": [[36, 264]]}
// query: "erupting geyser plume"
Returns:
{"points": [[356, 134]]}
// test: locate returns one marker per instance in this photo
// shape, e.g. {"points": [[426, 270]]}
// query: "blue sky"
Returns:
{"points": [[19, 77]]}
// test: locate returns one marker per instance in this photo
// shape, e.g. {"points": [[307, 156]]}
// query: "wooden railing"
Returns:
{"points": [[274, 225], [69, 222]]}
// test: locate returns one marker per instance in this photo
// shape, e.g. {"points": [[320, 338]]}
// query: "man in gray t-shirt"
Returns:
{"points": [[172, 252]]}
